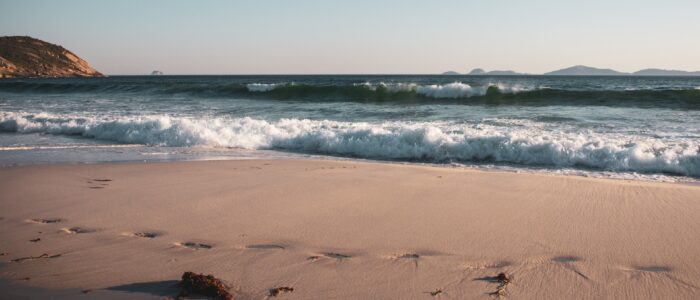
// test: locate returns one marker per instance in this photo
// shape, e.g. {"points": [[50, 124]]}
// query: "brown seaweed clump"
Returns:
{"points": [[503, 280], [205, 285]]}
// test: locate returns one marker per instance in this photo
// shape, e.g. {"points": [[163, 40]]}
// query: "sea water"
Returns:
{"points": [[624, 127]]}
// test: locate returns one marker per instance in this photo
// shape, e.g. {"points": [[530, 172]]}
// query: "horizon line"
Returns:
{"points": [[393, 74]]}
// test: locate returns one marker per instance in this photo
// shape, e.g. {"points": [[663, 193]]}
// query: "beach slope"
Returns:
{"points": [[344, 230]]}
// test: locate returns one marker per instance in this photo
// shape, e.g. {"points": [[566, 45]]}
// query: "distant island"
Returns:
{"points": [[23, 56], [581, 70], [497, 72], [661, 72], [156, 72], [584, 71]]}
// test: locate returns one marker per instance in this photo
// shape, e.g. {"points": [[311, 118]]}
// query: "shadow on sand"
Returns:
{"points": [[167, 288]]}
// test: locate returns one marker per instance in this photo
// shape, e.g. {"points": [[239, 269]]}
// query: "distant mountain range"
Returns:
{"points": [[585, 71]]}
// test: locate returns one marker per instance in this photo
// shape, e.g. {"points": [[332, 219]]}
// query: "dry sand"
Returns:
{"points": [[344, 230]]}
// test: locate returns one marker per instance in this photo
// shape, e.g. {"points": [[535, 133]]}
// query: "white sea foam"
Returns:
{"points": [[261, 87], [524, 143], [452, 90], [392, 86], [399, 87]]}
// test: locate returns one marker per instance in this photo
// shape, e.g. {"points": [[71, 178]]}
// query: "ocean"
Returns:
{"points": [[621, 127]]}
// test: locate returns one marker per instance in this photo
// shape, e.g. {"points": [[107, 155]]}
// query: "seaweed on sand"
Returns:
{"points": [[205, 285]]}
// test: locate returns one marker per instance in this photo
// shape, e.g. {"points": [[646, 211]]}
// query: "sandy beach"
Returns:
{"points": [[343, 230]]}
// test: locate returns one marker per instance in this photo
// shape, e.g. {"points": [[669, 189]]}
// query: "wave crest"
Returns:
{"points": [[392, 92], [438, 142], [453, 90], [261, 87]]}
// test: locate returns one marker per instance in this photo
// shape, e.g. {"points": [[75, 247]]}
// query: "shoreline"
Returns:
{"points": [[347, 229], [516, 169]]}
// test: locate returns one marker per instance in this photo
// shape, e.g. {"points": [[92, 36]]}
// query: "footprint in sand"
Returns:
{"points": [[331, 168], [195, 246], [43, 256], [336, 255], [565, 259], [409, 257], [332, 255], [266, 247], [663, 273], [77, 230], [143, 234], [146, 234], [46, 221], [98, 183], [653, 269]]}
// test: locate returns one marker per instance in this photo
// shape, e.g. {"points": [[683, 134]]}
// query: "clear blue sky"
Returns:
{"points": [[362, 36]]}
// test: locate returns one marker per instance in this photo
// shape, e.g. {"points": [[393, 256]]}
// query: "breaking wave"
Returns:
{"points": [[436, 142], [390, 92], [261, 87], [455, 90], [385, 91]]}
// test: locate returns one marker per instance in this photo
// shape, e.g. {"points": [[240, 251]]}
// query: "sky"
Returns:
{"points": [[362, 36]]}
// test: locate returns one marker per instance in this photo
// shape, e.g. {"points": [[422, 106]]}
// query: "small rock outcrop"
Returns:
{"points": [[23, 56]]}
